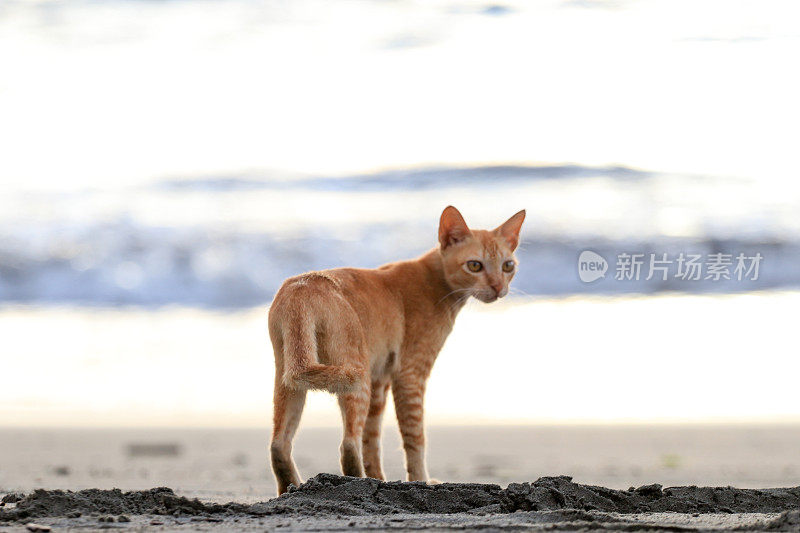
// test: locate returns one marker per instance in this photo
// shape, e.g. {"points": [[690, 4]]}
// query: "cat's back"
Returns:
{"points": [[355, 285], [334, 279]]}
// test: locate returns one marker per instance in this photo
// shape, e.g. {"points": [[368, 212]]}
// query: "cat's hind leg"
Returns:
{"points": [[289, 405], [371, 440], [354, 406]]}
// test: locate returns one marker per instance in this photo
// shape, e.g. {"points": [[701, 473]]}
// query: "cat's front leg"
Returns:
{"points": [[408, 390]]}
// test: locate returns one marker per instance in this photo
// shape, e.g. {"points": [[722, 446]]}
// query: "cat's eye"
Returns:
{"points": [[508, 266], [474, 266]]}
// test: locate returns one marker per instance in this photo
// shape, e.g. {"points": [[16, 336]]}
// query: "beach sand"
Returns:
{"points": [[221, 465]]}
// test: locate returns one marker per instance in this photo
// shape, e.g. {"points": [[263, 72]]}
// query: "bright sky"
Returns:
{"points": [[123, 92]]}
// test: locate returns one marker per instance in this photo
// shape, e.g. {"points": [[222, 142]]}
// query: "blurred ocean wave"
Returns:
{"points": [[408, 179], [229, 242]]}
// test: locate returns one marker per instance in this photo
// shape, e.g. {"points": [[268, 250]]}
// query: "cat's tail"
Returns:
{"points": [[303, 371], [316, 376]]}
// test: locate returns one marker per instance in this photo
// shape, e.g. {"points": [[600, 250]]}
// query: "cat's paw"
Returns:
{"points": [[434, 481]]}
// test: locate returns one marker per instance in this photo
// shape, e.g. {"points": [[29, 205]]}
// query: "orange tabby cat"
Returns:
{"points": [[358, 332]]}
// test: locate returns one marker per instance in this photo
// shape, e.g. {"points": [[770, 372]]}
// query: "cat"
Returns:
{"points": [[359, 332]]}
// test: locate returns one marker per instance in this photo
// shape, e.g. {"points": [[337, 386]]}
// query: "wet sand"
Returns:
{"points": [[331, 502], [231, 465]]}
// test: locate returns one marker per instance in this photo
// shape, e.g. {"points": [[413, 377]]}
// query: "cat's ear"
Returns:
{"points": [[452, 228], [509, 230]]}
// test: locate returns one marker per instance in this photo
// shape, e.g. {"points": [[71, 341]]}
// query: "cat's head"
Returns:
{"points": [[479, 262]]}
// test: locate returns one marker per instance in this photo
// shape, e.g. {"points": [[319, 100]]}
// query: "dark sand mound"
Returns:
{"points": [[158, 501], [327, 495]]}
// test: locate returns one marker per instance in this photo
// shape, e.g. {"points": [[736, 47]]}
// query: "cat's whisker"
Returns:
{"points": [[460, 302], [451, 293], [514, 290]]}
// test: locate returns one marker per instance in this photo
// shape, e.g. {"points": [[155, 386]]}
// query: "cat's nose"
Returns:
{"points": [[497, 287]]}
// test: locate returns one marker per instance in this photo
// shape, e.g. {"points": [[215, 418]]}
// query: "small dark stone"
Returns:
{"points": [[13, 497], [653, 490], [123, 518]]}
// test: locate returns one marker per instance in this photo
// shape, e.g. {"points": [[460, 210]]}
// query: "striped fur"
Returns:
{"points": [[359, 333]]}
